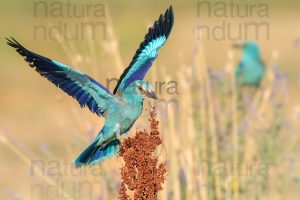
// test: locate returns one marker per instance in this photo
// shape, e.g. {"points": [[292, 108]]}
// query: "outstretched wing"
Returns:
{"points": [[83, 88], [147, 52]]}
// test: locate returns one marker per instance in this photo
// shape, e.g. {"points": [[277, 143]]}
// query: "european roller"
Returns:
{"points": [[250, 70], [123, 106]]}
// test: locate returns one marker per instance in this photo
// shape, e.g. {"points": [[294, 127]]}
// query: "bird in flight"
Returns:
{"points": [[120, 108], [250, 70]]}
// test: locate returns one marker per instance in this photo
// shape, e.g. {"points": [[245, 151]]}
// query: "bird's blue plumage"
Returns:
{"points": [[139, 74], [147, 52], [120, 111], [93, 154], [250, 69], [76, 84]]}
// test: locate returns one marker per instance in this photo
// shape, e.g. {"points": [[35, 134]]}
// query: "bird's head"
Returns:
{"points": [[250, 48], [141, 88]]}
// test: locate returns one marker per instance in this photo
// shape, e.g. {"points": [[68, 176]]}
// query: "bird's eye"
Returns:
{"points": [[140, 88]]}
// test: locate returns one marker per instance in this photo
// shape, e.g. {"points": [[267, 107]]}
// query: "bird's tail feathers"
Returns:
{"points": [[93, 154]]}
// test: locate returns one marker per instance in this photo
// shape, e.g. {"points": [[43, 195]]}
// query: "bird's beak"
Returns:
{"points": [[238, 45], [152, 95]]}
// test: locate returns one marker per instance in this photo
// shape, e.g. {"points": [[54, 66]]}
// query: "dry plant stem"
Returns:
{"points": [[211, 129], [142, 174], [214, 137], [114, 42], [188, 157], [199, 62], [235, 137]]}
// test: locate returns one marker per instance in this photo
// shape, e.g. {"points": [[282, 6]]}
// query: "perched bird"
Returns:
{"points": [[120, 108], [250, 70]]}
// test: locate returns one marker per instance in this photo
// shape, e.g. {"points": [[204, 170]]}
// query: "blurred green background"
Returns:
{"points": [[38, 122]]}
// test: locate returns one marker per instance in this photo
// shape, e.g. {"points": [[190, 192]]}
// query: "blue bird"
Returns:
{"points": [[120, 108], [250, 70]]}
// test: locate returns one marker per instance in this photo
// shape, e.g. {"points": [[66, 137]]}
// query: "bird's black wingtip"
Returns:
{"points": [[171, 9], [9, 41], [169, 20], [13, 43], [169, 13]]}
